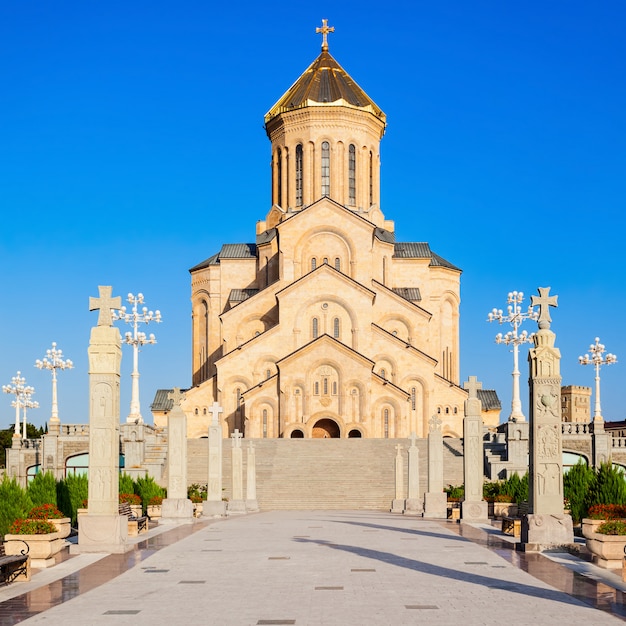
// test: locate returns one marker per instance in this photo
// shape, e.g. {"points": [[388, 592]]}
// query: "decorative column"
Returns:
{"points": [[435, 499], [237, 505], [251, 501], [397, 506], [413, 505], [215, 505], [54, 361], [177, 506], [473, 507], [102, 529], [546, 524]]}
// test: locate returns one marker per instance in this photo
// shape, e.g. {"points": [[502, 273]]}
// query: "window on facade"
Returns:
{"points": [[279, 178], [351, 175], [447, 410], [264, 422], [325, 168], [204, 411], [316, 388], [413, 398], [313, 264], [336, 328], [386, 423], [196, 411], [315, 328], [325, 382], [338, 264], [325, 260], [268, 374], [334, 388], [371, 177], [299, 175], [383, 374]]}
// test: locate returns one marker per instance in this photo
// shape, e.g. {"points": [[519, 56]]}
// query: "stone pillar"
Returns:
{"points": [[237, 505], [473, 507], [602, 443], [414, 505], [251, 501], [435, 499], [133, 437], [215, 505], [545, 525], [177, 506], [397, 506], [102, 529]]}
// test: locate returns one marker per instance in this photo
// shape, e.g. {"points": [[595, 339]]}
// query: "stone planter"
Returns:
{"points": [[153, 510], [607, 550], [63, 525], [41, 548], [589, 526], [504, 509], [197, 509], [136, 509]]}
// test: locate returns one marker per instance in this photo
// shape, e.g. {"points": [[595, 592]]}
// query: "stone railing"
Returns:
{"points": [[576, 428], [74, 430], [33, 444], [618, 442]]}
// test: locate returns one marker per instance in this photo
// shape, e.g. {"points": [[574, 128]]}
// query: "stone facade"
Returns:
{"points": [[576, 404]]}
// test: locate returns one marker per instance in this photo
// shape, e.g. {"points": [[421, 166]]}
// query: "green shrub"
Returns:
{"points": [[147, 489], [197, 492], [127, 484], [577, 484], [15, 503], [612, 527], [516, 487], [609, 486], [71, 492], [490, 491], [455, 493], [42, 489]]}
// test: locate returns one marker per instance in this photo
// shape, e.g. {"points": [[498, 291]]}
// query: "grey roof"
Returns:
{"points": [[412, 250], [212, 260], [384, 235], [408, 293], [239, 295], [489, 399], [161, 401], [266, 236], [238, 251], [439, 261]]}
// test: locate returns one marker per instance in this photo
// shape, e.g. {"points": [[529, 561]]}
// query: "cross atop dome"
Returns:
{"points": [[325, 29]]}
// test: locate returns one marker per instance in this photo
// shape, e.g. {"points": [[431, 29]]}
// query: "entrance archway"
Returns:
{"points": [[326, 429], [355, 433], [297, 434]]}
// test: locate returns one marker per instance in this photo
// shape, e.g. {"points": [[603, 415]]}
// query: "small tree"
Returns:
{"points": [[42, 489], [72, 491], [577, 483], [127, 484], [147, 488], [609, 486], [14, 503]]}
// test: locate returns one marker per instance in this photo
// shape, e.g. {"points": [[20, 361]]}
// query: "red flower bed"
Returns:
{"points": [[607, 511], [31, 527], [130, 498], [46, 511]]}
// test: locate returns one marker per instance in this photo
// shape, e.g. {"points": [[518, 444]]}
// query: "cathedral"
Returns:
{"points": [[325, 326]]}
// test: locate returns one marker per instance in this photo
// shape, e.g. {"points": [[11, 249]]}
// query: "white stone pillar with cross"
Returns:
{"points": [[215, 505], [102, 529], [177, 506], [397, 506], [473, 508], [237, 505], [414, 504], [546, 524], [435, 499]]}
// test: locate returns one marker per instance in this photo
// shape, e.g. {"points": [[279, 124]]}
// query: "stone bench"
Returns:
{"points": [[13, 566], [136, 525], [512, 525]]}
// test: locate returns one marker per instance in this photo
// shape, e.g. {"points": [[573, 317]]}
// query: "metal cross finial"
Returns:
{"points": [[177, 396], [325, 29], [544, 301], [472, 385], [104, 303]]}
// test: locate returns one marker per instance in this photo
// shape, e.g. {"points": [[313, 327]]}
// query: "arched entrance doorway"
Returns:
{"points": [[297, 434], [355, 433], [326, 429]]}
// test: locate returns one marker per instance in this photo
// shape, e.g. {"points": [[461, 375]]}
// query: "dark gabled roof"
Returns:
{"points": [[239, 295], [384, 235], [266, 236], [420, 250], [212, 260], [488, 399], [238, 251], [162, 401], [412, 294]]}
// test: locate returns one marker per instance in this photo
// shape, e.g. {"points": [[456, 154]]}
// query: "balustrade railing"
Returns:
{"points": [[75, 429], [576, 428]]}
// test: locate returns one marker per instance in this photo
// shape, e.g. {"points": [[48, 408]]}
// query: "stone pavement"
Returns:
{"points": [[319, 568]]}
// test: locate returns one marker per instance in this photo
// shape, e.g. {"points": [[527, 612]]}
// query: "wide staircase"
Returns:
{"points": [[327, 474]]}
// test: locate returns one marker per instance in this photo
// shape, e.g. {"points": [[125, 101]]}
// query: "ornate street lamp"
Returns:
{"points": [[596, 359], [54, 361], [514, 316], [18, 383], [27, 403], [135, 339]]}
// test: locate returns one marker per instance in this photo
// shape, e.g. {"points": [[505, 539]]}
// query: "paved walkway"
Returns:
{"points": [[319, 568]]}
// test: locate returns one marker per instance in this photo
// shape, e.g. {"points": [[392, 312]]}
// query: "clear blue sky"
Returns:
{"points": [[132, 147]]}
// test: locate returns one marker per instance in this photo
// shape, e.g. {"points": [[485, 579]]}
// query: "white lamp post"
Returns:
{"points": [[27, 403], [596, 359], [514, 316], [18, 382], [54, 361], [136, 338]]}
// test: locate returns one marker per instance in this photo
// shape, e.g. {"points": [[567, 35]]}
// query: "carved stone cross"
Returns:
{"points": [[215, 409], [325, 29], [176, 396], [399, 449], [236, 437], [544, 301], [104, 303], [434, 423], [472, 385], [413, 439]]}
